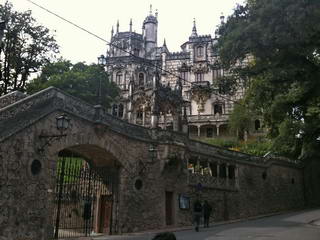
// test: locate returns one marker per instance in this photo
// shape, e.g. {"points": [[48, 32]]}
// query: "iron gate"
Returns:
{"points": [[84, 198]]}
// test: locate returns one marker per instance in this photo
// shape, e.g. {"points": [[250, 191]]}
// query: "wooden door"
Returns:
{"points": [[169, 208], [105, 214]]}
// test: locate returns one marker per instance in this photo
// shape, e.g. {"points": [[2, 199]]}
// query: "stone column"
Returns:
{"points": [[154, 120], [227, 174], [218, 130], [236, 175], [134, 117], [143, 115], [124, 115], [210, 170], [199, 131]]}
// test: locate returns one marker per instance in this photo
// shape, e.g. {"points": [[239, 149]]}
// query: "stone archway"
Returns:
{"points": [[86, 192]]}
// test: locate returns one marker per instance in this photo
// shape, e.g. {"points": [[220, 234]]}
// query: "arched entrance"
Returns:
{"points": [[85, 194]]}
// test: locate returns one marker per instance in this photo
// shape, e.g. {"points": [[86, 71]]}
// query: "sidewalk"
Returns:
{"points": [[315, 222]]}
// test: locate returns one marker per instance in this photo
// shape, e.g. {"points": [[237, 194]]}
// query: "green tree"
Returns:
{"points": [[240, 120], [79, 80], [25, 48], [280, 40]]}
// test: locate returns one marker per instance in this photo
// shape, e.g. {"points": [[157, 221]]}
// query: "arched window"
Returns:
{"points": [[118, 78], [141, 79], [120, 111], [200, 51]]}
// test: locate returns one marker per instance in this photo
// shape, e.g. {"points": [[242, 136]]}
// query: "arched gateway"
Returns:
{"points": [[102, 174]]}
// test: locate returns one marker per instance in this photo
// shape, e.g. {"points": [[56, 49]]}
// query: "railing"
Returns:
{"points": [[209, 117]]}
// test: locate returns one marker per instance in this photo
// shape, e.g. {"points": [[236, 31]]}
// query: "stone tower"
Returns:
{"points": [[150, 32]]}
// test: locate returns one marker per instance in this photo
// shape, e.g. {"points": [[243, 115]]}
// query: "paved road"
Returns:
{"points": [[303, 225]]}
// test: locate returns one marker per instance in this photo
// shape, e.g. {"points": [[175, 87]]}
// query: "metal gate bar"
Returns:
{"points": [[78, 187]]}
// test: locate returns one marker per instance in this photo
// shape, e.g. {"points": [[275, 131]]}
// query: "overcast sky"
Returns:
{"points": [[175, 19]]}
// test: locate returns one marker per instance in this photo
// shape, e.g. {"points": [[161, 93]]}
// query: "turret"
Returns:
{"points": [[150, 26], [194, 29]]}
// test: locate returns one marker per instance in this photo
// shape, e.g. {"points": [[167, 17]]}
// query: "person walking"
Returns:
{"points": [[197, 211], [207, 209]]}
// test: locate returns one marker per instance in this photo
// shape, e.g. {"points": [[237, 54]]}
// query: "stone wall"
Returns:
{"points": [[254, 187], [11, 98]]}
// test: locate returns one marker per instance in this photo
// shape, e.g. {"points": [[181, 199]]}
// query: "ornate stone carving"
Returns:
{"points": [[200, 93]]}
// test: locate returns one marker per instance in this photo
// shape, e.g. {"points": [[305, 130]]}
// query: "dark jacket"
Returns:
{"points": [[197, 207], [207, 209]]}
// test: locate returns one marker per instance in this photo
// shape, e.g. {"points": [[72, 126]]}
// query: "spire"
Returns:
{"points": [[194, 29], [164, 43], [112, 31], [117, 26], [150, 9], [156, 13], [222, 18], [130, 25]]}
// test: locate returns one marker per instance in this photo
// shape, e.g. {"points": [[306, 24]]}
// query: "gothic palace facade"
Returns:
{"points": [[151, 78]]}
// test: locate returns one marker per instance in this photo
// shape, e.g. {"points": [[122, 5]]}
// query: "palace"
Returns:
{"points": [[172, 90]]}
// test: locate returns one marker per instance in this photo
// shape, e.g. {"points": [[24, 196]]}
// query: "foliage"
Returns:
{"points": [[25, 48], [79, 80], [240, 120], [280, 42], [74, 165], [222, 142], [257, 146]]}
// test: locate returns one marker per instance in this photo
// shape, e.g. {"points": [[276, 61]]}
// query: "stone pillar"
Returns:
{"points": [[236, 175], [124, 115], [218, 130], [227, 174], [210, 170], [218, 170], [143, 115], [154, 120], [199, 131], [134, 117]]}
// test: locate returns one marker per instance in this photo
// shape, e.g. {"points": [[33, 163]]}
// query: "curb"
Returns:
{"points": [[213, 224]]}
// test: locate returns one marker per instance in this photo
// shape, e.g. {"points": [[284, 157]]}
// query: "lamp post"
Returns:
{"points": [[101, 62]]}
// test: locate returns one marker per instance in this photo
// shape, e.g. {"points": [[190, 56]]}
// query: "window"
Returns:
{"points": [[257, 125], [118, 78], [184, 77], [217, 109], [139, 114], [200, 51], [199, 77], [141, 79], [115, 110], [120, 113]]}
